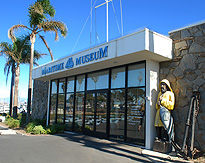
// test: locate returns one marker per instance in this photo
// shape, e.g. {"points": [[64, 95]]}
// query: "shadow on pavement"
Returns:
{"points": [[113, 147]]}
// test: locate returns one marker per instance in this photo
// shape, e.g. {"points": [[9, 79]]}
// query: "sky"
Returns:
{"points": [[160, 16]]}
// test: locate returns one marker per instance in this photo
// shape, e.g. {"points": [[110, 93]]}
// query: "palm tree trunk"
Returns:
{"points": [[32, 39], [12, 90], [17, 74]]}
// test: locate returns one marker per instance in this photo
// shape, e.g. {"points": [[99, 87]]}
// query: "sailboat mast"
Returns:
{"points": [[106, 2], [91, 24], [107, 17]]}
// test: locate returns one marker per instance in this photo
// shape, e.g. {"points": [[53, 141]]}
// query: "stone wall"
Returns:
{"points": [[187, 72], [40, 99]]}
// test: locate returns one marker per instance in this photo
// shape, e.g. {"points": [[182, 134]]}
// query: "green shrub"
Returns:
{"points": [[48, 131], [39, 130], [56, 128], [7, 117], [29, 127], [12, 123], [37, 127]]}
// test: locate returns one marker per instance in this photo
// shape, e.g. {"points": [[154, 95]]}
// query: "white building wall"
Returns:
{"points": [[152, 82]]}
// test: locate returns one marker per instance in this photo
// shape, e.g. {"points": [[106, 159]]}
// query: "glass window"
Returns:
{"points": [[117, 114], [98, 80], [62, 86], [118, 78], [79, 107], [80, 83], [53, 109], [60, 109], [69, 111], [136, 116], [136, 75], [70, 84], [54, 86]]}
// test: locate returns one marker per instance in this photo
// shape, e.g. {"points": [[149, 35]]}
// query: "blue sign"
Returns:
{"points": [[53, 68], [69, 63], [92, 56], [80, 60]]}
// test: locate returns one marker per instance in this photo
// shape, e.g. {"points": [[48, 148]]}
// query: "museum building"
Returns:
{"points": [[108, 91]]}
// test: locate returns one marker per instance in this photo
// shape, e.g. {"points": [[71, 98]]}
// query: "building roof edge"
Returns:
{"points": [[187, 26]]}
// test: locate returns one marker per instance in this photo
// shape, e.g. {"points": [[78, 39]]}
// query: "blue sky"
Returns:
{"points": [[161, 16]]}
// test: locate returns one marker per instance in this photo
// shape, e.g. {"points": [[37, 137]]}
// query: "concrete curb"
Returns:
{"points": [[7, 131], [158, 157]]}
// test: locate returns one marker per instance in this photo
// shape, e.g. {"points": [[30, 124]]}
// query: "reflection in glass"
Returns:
{"points": [[53, 109], [89, 111], [69, 111], [80, 83], [70, 84], [136, 116], [118, 78], [62, 85], [136, 75], [60, 109], [101, 112], [98, 80], [79, 105], [117, 114], [54, 87]]}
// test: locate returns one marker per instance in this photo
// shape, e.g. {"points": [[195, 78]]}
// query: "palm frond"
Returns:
{"points": [[45, 42], [54, 26], [9, 51], [15, 28], [35, 63], [7, 68], [48, 9], [36, 15]]}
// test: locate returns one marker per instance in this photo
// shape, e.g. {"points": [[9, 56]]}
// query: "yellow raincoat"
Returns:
{"points": [[168, 101]]}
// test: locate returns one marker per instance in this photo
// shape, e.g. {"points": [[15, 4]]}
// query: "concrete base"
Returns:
{"points": [[156, 156], [7, 132]]}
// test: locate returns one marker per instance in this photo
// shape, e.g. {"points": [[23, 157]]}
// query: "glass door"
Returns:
{"points": [[101, 112], [90, 111], [96, 114]]}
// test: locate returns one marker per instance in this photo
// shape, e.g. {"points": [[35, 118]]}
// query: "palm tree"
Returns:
{"points": [[16, 54], [39, 14]]}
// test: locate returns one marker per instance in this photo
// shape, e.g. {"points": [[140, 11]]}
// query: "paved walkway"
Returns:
{"points": [[73, 148]]}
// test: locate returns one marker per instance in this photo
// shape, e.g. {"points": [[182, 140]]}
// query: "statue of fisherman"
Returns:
{"points": [[164, 121]]}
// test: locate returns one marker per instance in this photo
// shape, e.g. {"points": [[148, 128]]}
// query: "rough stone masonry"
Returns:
{"points": [[186, 72]]}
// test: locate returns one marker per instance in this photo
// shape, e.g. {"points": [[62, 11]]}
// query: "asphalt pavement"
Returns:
{"points": [[69, 148]]}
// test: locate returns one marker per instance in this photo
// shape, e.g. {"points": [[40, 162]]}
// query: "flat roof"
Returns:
{"points": [[138, 46]]}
